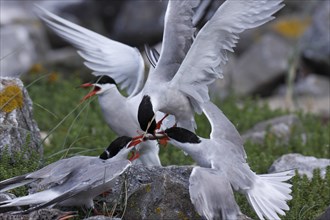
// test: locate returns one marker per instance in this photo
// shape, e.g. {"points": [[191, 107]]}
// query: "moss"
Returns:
{"points": [[11, 98], [18, 163]]}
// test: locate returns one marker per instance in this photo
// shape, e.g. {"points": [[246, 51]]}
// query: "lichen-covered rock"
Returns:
{"points": [[282, 127], [303, 164], [154, 193], [17, 126]]}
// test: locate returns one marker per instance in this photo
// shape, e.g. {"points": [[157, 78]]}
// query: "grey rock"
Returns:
{"points": [[260, 67], [325, 215], [153, 193], [21, 47], [281, 127], [18, 128], [314, 44], [312, 85], [305, 165], [101, 217], [315, 105], [148, 17]]}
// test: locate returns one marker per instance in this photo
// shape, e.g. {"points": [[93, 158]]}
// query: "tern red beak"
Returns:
{"points": [[91, 93], [85, 85], [135, 142]]}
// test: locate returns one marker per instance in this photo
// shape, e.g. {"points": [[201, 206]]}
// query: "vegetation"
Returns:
{"points": [[78, 128]]}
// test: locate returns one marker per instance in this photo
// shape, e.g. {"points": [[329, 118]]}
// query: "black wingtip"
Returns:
{"points": [[115, 146], [146, 114], [182, 135]]}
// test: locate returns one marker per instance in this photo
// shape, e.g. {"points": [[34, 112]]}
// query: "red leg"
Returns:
{"points": [[159, 123]]}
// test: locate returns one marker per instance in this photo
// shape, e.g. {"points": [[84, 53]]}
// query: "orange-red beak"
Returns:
{"points": [[135, 142], [68, 215], [91, 93]]}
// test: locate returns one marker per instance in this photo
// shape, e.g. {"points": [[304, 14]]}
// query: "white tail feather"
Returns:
{"points": [[269, 194]]}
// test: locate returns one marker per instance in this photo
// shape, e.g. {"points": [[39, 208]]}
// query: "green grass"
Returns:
{"points": [[79, 129]]}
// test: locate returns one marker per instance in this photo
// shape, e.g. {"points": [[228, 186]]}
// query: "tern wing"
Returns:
{"points": [[222, 128], [78, 188], [177, 39], [207, 56], [212, 195], [103, 55]]}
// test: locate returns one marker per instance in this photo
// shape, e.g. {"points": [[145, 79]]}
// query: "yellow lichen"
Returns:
{"points": [[158, 210], [291, 27], [148, 188], [11, 97], [182, 216]]}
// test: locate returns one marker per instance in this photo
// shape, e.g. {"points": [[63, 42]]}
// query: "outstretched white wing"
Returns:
{"points": [[103, 55], [177, 39], [207, 56]]}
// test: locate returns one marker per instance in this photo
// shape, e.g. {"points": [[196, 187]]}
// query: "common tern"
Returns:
{"points": [[223, 167], [114, 62], [73, 181], [181, 93]]}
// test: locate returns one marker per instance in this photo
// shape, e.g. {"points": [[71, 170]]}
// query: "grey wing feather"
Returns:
{"points": [[222, 128], [103, 55], [78, 188], [177, 38], [208, 54], [14, 182], [212, 195], [107, 172]]}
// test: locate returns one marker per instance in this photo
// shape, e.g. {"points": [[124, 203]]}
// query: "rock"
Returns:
{"points": [[140, 22], [261, 67], [314, 44], [303, 164], [311, 85], [101, 217], [325, 215], [315, 105], [18, 128], [21, 47], [281, 127], [154, 193]]}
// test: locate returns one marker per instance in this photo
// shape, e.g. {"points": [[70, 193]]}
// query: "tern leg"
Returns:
{"points": [[159, 123]]}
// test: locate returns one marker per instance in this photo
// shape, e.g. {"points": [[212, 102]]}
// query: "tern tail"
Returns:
{"points": [[269, 194]]}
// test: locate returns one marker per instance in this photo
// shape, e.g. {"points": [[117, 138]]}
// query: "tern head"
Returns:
{"points": [[182, 135], [146, 115], [119, 147], [101, 84]]}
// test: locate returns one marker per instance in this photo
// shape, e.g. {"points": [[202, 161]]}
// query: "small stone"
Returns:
{"points": [[281, 127], [303, 164]]}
